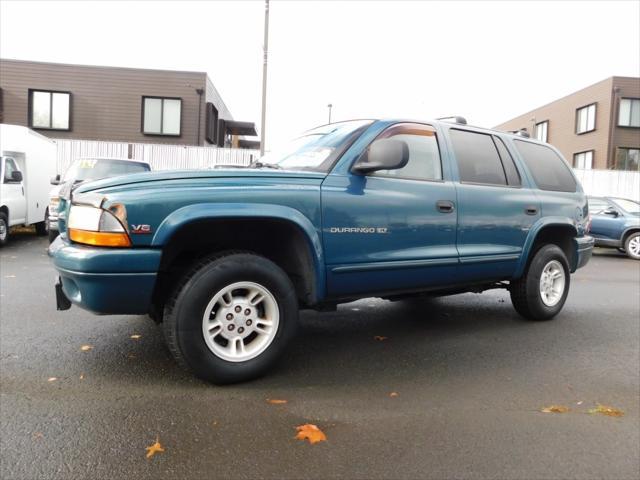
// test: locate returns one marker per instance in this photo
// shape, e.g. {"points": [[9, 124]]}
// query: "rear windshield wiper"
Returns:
{"points": [[264, 165]]}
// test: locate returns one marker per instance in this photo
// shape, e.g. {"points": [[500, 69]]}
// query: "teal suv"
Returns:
{"points": [[395, 209]]}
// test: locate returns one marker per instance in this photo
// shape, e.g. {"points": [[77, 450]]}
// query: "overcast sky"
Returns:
{"points": [[487, 61]]}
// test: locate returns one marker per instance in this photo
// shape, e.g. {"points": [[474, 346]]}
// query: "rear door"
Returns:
{"points": [[392, 230], [496, 209]]}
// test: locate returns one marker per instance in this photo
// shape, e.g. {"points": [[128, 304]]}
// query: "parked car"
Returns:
{"points": [[84, 170], [615, 223], [391, 209], [27, 161]]}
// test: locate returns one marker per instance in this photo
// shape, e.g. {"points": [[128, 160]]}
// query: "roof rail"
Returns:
{"points": [[521, 133], [456, 119]]}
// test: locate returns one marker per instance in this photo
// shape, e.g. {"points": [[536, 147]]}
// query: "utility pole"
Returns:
{"points": [[264, 76], [329, 106]]}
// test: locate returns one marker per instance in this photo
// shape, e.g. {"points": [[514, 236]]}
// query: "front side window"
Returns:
{"points": [[161, 116], [549, 170], [586, 119], [9, 168], [542, 131], [49, 110], [477, 157], [583, 160], [424, 154], [629, 114], [627, 159]]}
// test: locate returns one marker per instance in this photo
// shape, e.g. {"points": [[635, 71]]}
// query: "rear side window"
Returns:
{"points": [[477, 157], [549, 170], [513, 177]]}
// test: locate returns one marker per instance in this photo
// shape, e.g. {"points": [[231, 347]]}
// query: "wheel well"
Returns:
{"points": [[560, 235], [5, 210], [628, 233], [278, 240]]}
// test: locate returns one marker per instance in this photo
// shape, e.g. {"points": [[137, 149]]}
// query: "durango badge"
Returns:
{"points": [[140, 228]]}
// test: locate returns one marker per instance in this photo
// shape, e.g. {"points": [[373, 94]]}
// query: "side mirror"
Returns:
{"points": [[55, 180], [16, 176], [383, 154], [611, 211]]}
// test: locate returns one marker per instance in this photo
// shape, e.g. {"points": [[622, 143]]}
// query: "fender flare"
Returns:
{"points": [[219, 211], [533, 234]]}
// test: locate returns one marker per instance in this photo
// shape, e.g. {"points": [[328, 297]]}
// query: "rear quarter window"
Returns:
{"points": [[549, 170]]}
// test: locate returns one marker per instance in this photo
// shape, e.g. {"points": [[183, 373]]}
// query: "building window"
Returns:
{"points": [[583, 160], [629, 115], [49, 110], [161, 116], [586, 119], [627, 159], [542, 131], [211, 123]]}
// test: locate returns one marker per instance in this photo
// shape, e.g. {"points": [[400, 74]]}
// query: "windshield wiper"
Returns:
{"points": [[259, 164]]}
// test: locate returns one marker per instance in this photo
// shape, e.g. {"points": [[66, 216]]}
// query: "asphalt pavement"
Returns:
{"points": [[453, 389]]}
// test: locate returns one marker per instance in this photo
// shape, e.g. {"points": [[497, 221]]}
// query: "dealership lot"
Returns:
{"points": [[470, 378]]}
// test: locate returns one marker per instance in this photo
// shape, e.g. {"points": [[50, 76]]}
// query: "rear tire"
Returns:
{"points": [[225, 304], [41, 227], [632, 246], [4, 229], [53, 234], [541, 292]]}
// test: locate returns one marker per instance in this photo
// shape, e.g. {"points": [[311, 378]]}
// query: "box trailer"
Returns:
{"points": [[28, 162]]}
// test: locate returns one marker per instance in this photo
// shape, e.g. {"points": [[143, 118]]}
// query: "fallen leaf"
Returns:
{"points": [[393, 394], [310, 432], [555, 409], [136, 336], [605, 410], [274, 401], [155, 448], [380, 338], [86, 348], [52, 379], [82, 376], [37, 435]]}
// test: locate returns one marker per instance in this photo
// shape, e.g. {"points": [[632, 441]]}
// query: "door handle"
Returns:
{"points": [[445, 206], [531, 210]]}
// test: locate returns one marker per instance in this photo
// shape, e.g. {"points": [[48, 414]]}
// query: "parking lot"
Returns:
{"points": [[446, 388]]}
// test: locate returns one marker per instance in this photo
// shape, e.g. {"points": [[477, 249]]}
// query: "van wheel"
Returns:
{"points": [[4, 229], [231, 317], [541, 292], [632, 246], [42, 228]]}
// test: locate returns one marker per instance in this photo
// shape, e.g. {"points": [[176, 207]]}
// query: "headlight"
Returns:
{"points": [[95, 226]]}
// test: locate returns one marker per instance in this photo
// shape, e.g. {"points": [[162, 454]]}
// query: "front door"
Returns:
{"points": [[393, 230], [13, 193]]}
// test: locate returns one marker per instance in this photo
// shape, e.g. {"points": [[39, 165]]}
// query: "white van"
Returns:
{"points": [[27, 164]]}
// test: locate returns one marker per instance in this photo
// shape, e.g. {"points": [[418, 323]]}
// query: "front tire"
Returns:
{"points": [[231, 317], [542, 291], [632, 246], [4, 229]]}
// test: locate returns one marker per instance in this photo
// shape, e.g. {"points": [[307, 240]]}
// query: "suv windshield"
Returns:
{"points": [[628, 206], [97, 168], [315, 149]]}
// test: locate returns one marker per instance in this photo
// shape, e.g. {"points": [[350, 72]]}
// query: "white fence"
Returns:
{"points": [[172, 157], [159, 156], [614, 183]]}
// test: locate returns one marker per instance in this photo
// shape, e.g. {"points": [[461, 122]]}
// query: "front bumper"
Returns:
{"points": [[106, 280], [583, 247]]}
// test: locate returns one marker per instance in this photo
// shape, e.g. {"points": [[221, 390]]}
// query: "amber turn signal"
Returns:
{"points": [[100, 239]]}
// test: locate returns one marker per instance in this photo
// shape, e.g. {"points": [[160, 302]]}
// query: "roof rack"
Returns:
{"points": [[456, 119], [521, 133]]}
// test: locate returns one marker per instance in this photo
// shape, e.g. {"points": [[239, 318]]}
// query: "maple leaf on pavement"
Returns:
{"points": [[310, 432], [155, 448]]}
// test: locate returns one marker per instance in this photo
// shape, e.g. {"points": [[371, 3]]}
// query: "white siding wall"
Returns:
{"points": [[160, 157]]}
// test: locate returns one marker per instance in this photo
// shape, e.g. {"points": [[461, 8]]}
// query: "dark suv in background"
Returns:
{"points": [[615, 223]]}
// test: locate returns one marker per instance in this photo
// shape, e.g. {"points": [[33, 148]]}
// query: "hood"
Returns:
{"points": [[197, 175]]}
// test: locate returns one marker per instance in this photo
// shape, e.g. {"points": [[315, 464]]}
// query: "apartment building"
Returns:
{"points": [[597, 127], [118, 104]]}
